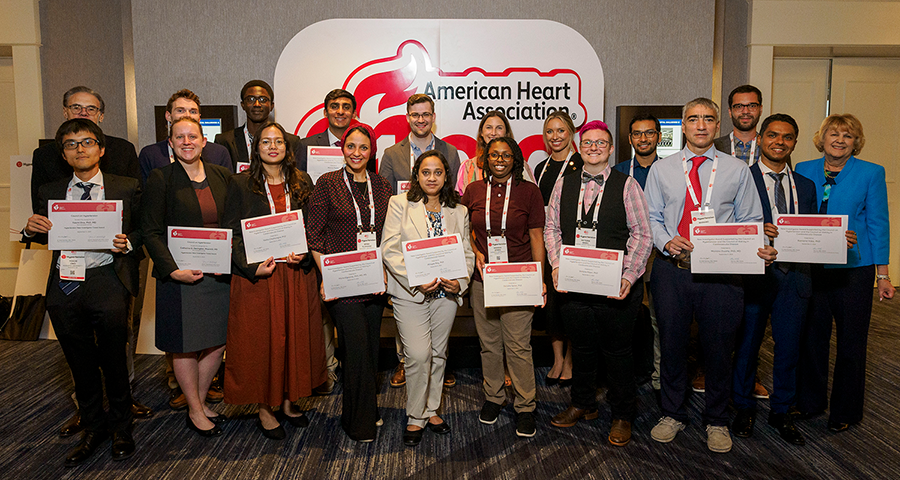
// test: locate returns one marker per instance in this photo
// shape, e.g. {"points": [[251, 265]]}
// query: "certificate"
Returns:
{"points": [[204, 249], [353, 273], [274, 236], [590, 270], [812, 238], [83, 224], [431, 258], [320, 160], [513, 285], [727, 248]]}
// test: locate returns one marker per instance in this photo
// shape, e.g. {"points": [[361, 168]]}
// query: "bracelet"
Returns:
{"points": [[883, 277]]}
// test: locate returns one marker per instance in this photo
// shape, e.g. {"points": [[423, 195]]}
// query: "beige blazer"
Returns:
{"points": [[407, 221]]}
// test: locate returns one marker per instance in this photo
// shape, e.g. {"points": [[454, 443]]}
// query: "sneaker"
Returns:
{"points": [[525, 426], [699, 383], [759, 391], [717, 439], [489, 412], [666, 429]]}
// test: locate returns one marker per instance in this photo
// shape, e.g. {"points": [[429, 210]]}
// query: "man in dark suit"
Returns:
{"points": [[89, 293], [257, 101], [340, 108], [783, 291], [744, 106], [183, 103]]}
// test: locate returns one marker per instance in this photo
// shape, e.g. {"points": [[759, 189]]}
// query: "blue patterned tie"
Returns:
{"points": [[780, 200], [66, 286]]}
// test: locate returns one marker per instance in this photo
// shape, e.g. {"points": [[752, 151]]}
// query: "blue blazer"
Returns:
{"points": [[806, 194], [860, 192]]}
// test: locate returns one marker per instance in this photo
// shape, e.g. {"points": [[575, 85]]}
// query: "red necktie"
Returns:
{"points": [[684, 227]]}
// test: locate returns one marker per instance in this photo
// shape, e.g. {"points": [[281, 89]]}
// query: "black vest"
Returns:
{"points": [[612, 222]]}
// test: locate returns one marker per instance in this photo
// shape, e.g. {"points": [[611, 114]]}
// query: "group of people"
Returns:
{"points": [[276, 322]]}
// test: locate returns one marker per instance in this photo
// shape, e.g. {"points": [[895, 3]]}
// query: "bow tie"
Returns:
{"points": [[587, 177]]}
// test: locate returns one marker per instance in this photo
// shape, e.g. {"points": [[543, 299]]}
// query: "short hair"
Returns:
{"points": [[846, 121], [596, 125], [562, 116], [77, 125], [779, 117], [642, 117], [183, 93], [184, 119], [257, 83], [700, 101], [340, 93], [448, 195], [369, 133], [744, 89], [83, 89], [419, 98], [493, 113], [518, 166]]}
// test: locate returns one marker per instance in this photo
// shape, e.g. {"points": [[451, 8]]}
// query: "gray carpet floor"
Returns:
{"points": [[34, 402]]}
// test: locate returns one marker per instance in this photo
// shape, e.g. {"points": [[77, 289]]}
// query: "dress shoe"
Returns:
{"points": [[399, 377], [620, 432], [139, 410], [215, 394], [699, 383], [177, 400], [449, 380], [837, 427], [801, 415], [550, 381], [411, 438], [743, 423], [89, 443], [439, 428], [218, 419], [300, 421], [212, 432], [122, 445], [276, 433], [564, 382], [72, 426], [570, 416], [785, 426]]}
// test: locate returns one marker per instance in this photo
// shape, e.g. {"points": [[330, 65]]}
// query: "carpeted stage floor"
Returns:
{"points": [[34, 402]]}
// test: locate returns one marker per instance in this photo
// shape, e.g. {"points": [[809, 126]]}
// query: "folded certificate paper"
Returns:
{"points": [[204, 249], [274, 236], [83, 224], [513, 285], [350, 274], [812, 238], [321, 160], [590, 270], [727, 248], [431, 258]]}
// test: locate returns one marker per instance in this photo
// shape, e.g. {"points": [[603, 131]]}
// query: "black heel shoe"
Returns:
{"points": [[565, 382], [212, 432], [218, 419], [550, 381], [276, 433]]}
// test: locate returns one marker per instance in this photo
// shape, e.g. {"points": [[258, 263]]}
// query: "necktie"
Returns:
{"points": [[587, 177], [338, 143], [780, 200], [86, 186], [684, 227], [66, 286]]}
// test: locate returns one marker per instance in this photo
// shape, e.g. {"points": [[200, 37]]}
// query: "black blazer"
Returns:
{"points": [[806, 194], [236, 143], [241, 203], [170, 201], [318, 140], [126, 189]]}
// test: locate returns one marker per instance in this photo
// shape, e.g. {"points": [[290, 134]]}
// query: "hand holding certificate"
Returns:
{"points": [[727, 248], [276, 236], [513, 284], [83, 224], [812, 238], [205, 249], [431, 258], [590, 270], [320, 160], [350, 274]]}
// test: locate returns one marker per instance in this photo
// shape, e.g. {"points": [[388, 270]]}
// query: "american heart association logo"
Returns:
{"points": [[63, 256], [781, 221], [566, 251], [175, 233], [55, 206], [697, 231]]}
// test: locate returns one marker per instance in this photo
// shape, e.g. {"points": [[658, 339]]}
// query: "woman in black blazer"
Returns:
{"points": [[191, 309]]}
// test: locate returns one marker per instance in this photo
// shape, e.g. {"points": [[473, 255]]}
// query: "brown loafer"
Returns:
{"points": [[215, 394], [620, 432], [177, 400], [571, 415], [399, 378], [449, 380]]}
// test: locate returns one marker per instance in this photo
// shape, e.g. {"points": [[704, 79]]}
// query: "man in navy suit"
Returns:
{"points": [[783, 291], [340, 108]]}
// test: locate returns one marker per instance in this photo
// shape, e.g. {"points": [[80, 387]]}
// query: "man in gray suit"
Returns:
{"points": [[340, 108], [744, 106], [398, 159]]}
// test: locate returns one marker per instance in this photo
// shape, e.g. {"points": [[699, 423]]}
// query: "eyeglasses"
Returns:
{"points": [[598, 143], [251, 99], [495, 156], [645, 133], [745, 106], [86, 143], [267, 143], [423, 116], [76, 108]]}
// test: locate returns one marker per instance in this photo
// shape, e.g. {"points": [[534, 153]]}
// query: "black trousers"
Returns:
{"points": [[844, 295], [91, 324], [600, 326], [359, 332]]}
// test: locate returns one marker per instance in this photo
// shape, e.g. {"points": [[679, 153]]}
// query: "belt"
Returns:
{"points": [[674, 261]]}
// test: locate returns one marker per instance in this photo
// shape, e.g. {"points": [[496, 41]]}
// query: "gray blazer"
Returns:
{"points": [[395, 167]]}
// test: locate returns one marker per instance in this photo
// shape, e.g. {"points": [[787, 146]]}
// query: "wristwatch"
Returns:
{"points": [[883, 277]]}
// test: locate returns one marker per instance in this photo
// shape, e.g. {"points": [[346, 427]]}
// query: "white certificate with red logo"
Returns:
{"points": [[353, 273], [320, 160], [274, 236], [596, 271], [727, 248], [513, 284], [83, 224], [204, 249], [812, 238], [432, 258]]}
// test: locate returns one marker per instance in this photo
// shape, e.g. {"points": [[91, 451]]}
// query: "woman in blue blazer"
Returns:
{"points": [[845, 185]]}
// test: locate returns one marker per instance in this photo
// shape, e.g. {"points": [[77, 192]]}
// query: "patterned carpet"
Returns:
{"points": [[34, 402]]}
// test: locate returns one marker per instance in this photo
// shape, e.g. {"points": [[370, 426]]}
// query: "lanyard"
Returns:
{"points": [[247, 137], [596, 205], [687, 180], [287, 197], [562, 169], [356, 207], [430, 226], [487, 208], [171, 153], [790, 177], [751, 156]]}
